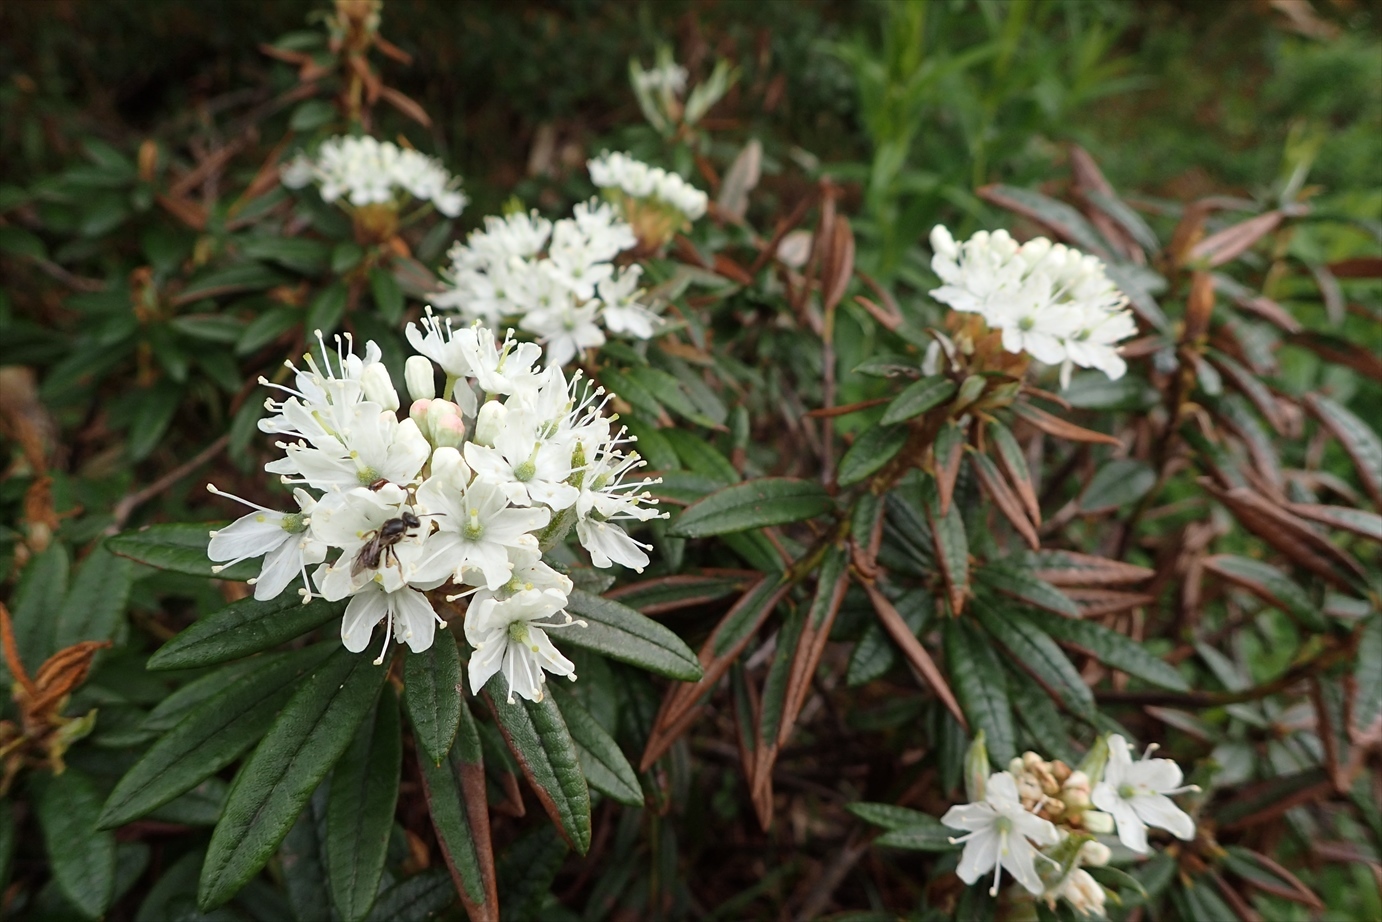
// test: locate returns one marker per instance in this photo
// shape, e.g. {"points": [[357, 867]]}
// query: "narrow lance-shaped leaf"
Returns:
{"points": [[754, 504], [832, 581], [771, 708], [180, 547], [360, 810], [982, 689], [1060, 428], [1358, 439], [538, 737], [1269, 584], [874, 447], [1109, 647], [245, 627], [96, 600], [916, 654], [1036, 652], [1003, 497], [210, 736], [619, 632], [606, 768], [1014, 465], [918, 397], [952, 549], [949, 454], [432, 692], [455, 792], [82, 858], [303, 744], [1022, 584]]}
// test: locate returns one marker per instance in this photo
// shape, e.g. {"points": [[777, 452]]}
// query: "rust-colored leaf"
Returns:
{"points": [[949, 452], [1232, 242], [916, 654], [12, 660], [830, 595], [406, 105], [837, 264], [1362, 267], [1014, 465], [188, 212], [1198, 306], [1061, 429], [1095, 603], [832, 412], [732, 270], [1289, 535], [718, 653], [1241, 908], [1345, 518], [1002, 495], [390, 50], [1073, 569], [1251, 387], [682, 590], [1287, 885], [1340, 351]]}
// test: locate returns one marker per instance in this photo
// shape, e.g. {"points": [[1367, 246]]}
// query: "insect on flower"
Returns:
{"points": [[380, 547]]}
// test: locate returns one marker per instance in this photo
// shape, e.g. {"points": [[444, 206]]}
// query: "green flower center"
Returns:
{"points": [[294, 524], [473, 530]]}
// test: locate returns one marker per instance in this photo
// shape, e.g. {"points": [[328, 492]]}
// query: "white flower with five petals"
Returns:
{"points": [[1135, 794], [1001, 834], [510, 636]]}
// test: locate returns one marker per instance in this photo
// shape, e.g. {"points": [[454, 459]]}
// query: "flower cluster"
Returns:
{"points": [[556, 280], [469, 489], [666, 77], [1046, 810], [1049, 301], [625, 177], [366, 171]]}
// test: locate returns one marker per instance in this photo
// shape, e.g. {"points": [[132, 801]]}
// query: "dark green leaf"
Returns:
{"points": [[245, 627], [668, 391], [265, 328], [539, 738], [622, 633], [757, 503], [1269, 584], [1117, 484], [210, 736], [432, 692], [603, 763], [875, 447], [1093, 390], [82, 857], [152, 417], [1020, 583], [1110, 648], [303, 744], [297, 253], [977, 676], [96, 600], [928, 835], [469, 860], [1039, 654], [388, 295], [302, 858], [311, 115], [211, 328], [9, 838], [699, 455], [1358, 438], [245, 276], [180, 548], [35, 603], [360, 810], [327, 309], [415, 899], [918, 397], [887, 815], [951, 546], [1367, 675]]}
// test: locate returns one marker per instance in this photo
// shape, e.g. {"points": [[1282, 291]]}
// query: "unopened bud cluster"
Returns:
{"points": [[466, 492]]}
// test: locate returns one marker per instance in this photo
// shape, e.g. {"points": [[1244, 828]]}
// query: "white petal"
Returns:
{"points": [[248, 536], [980, 855], [1020, 862], [1158, 810], [365, 610]]}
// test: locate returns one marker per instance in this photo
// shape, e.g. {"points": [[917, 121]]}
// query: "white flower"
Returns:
{"points": [[350, 520], [283, 538], [1134, 793], [637, 179], [565, 330], [669, 77], [367, 171], [1001, 835], [622, 312], [370, 445], [509, 636], [405, 611], [527, 469], [477, 527], [1052, 302]]}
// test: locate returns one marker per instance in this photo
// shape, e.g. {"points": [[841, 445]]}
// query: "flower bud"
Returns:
{"points": [[490, 422], [378, 386], [976, 768], [1098, 822], [444, 424], [1095, 854], [420, 377], [418, 414], [448, 464]]}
